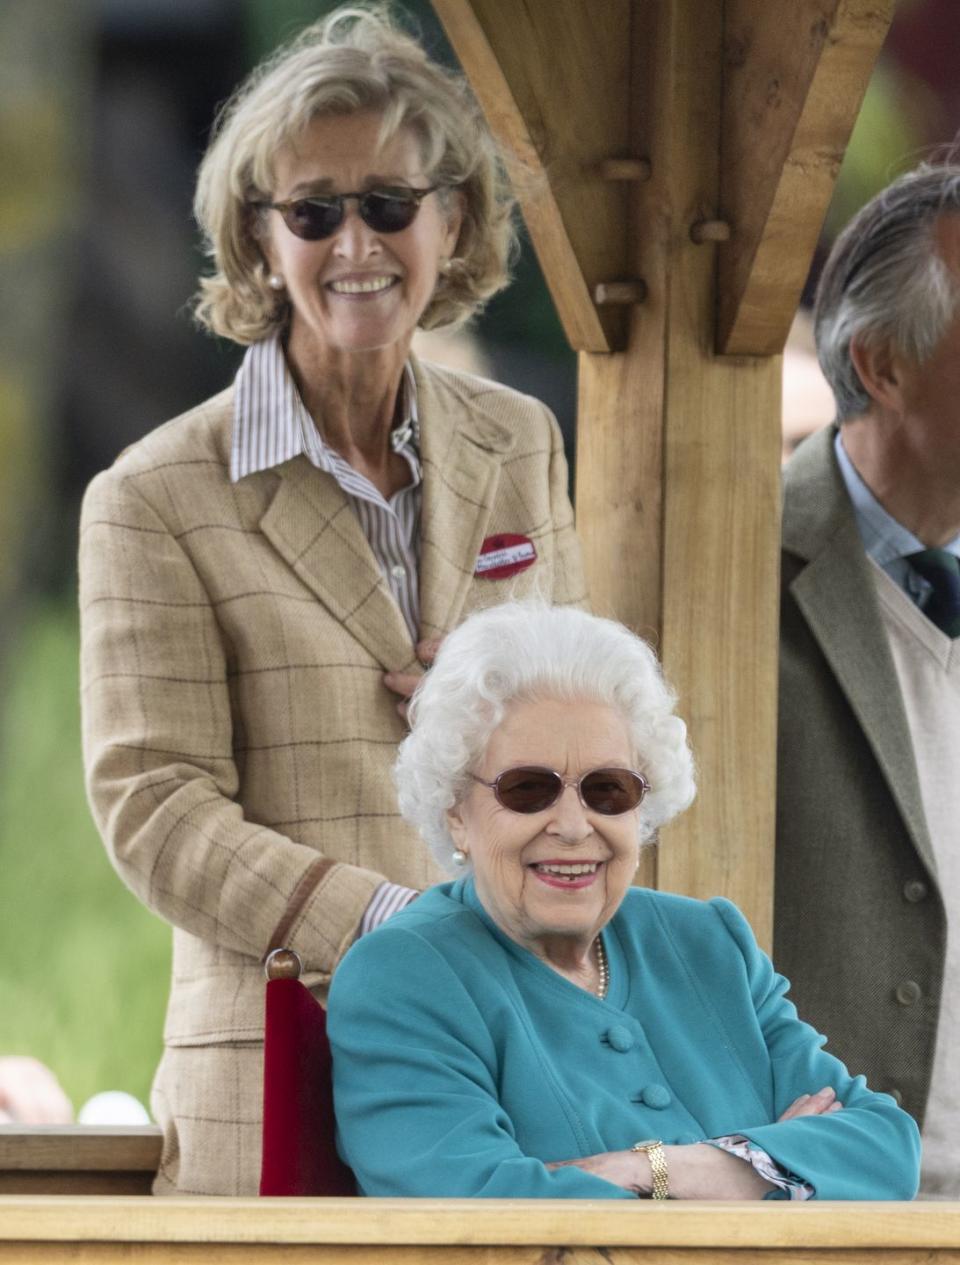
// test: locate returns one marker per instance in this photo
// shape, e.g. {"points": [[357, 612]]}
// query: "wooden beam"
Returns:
{"points": [[553, 80], [78, 1159], [705, 1228], [721, 523], [621, 401], [678, 479], [795, 72]]}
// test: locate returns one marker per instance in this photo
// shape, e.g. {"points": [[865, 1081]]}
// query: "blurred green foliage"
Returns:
{"points": [[884, 143], [85, 969]]}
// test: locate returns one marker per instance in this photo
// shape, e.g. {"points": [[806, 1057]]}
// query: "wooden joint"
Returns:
{"points": [[630, 169], [709, 231], [619, 293]]}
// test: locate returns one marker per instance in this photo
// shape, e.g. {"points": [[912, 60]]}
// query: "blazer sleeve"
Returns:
{"points": [[870, 1149], [569, 584], [415, 1083], [158, 748]]}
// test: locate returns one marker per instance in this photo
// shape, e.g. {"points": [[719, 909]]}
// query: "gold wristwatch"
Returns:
{"points": [[653, 1148]]}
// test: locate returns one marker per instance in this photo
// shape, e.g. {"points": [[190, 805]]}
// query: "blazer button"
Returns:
{"points": [[655, 1096], [894, 1094], [908, 993], [620, 1038], [915, 890]]}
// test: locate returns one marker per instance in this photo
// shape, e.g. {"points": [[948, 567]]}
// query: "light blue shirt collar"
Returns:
{"points": [[885, 540]]}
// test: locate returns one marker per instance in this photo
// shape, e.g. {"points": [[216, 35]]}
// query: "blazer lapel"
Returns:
{"points": [[311, 525], [837, 597], [462, 451]]}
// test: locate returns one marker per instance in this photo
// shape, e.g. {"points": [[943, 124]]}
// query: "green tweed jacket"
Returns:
{"points": [[859, 925]]}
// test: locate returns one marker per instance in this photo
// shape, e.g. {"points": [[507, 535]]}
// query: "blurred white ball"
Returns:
{"points": [[113, 1106]]}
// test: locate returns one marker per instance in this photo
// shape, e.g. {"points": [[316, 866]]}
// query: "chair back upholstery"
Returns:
{"points": [[299, 1130]]}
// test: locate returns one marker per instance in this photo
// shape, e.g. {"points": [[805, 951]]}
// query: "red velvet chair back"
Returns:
{"points": [[299, 1142]]}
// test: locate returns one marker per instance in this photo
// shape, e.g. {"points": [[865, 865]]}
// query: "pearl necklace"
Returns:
{"points": [[603, 968]]}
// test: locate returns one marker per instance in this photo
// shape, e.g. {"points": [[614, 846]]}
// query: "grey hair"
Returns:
{"points": [[357, 59], [522, 652], [885, 281]]}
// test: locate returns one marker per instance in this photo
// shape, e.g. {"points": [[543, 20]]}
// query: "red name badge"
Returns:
{"points": [[504, 555]]}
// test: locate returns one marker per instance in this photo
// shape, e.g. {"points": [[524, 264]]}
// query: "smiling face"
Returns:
{"points": [[562, 872], [357, 290]]}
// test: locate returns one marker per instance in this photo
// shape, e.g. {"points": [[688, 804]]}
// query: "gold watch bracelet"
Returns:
{"points": [[653, 1149]]}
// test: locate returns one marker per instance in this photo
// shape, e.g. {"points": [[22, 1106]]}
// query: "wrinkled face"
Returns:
{"points": [[357, 290], [564, 871]]}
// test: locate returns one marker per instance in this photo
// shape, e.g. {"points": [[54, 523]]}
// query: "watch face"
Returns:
{"points": [[639, 1146]]}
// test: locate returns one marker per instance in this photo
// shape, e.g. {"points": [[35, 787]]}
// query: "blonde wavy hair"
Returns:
{"points": [[356, 59]]}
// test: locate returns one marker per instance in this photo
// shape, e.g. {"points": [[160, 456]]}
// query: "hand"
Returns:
{"points": [[824, 1102], [696, 1171], [31, 1094], [404, 683], [627, 1169]]}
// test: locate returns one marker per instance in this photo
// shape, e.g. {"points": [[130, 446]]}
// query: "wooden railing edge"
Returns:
{"points": [[432, 1222]]}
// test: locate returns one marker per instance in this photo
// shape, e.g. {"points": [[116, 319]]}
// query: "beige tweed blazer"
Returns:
{"points": [[237, 735]]}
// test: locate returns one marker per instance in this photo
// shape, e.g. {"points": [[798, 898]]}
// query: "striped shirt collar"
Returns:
{"points": [[271, 424]]}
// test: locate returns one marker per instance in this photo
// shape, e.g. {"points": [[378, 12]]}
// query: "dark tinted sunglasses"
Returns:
{"points": [[531, 789], [388, 210]]}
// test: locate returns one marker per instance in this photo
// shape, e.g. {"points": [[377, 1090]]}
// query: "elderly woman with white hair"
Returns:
{"points": [[262, 578], [540, 1028]]}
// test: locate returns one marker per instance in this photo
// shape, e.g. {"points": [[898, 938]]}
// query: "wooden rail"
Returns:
{"points": [[471, 1232], [78, 1160], [79, 1195]]}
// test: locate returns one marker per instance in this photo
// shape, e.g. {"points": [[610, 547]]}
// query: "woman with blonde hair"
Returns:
{"points": [[263, 577]]}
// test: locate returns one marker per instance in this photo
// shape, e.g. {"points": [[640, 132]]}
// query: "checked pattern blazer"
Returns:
{"points": [[237, 735]]}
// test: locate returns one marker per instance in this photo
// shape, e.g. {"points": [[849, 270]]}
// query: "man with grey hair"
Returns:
{"points": [[868, 810]]}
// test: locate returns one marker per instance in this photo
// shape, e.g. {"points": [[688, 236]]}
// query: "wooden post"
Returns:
{"points": [[678, 481], [721, 521], [678, 477]]}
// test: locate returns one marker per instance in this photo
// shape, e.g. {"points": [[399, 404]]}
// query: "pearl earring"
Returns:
{"points": [[459, 856], [275, 281]]}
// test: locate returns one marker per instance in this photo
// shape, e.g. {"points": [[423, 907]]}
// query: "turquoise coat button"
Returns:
{"points": [[620, 1038], [656, 1096]]}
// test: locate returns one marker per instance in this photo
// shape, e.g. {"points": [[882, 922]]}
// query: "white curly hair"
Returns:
{"points": [[522, 652]]}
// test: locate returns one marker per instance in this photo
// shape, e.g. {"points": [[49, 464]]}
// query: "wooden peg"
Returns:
{"points": [[619, 293], [283, 964], [635, 169], [709, 231]]}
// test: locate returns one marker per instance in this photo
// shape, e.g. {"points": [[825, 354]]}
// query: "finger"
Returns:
{"points": [[823, 1099], [810, 1104], [402, 683], [427, 649], [834, 1106], [794, 1108]]}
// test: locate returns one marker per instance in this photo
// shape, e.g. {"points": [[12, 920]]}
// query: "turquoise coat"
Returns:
{"points": [[462, 1063]]}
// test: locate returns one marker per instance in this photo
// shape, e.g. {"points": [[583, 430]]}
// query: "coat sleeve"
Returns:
{"points": [[415, 1083], [870, 1149], [569, 584], [158, 734]]}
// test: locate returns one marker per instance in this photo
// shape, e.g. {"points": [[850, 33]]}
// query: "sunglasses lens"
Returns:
{"points": [[528, 790], [388, 212], [612, 791], [313, 219]]}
